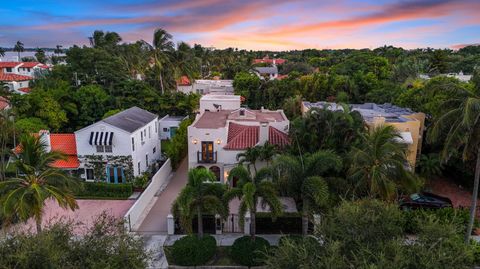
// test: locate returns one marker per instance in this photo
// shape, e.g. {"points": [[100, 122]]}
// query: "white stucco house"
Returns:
{"points": [[205, 86], [218, 135], [132, 134], [168, 126], [16, 76], [269, 73]]}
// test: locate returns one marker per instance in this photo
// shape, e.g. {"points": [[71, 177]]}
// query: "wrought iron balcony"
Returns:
{"points": [[206, 157]]}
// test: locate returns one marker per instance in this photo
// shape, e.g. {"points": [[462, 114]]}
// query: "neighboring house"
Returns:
{"points": [[16, 83], [460, 76], [168, 126], [409, 124], [217, 136], [269, 73], [127, 143], [219, 102], [267, 60], [63, 143], [205, 86], [16, 76], [4, 103]]}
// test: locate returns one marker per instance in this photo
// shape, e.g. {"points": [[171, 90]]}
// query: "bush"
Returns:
{"points": [[415, 219], [105, 190], [192, 251], [141, 181], [298, 239], [248, 252], [177, 149]]}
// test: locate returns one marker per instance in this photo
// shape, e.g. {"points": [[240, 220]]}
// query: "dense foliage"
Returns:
{"points": [[177, 148], [249, 251], [193, 251], [103, 190]]}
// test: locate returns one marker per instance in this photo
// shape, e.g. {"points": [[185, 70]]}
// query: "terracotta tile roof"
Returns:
{"points": [[4, 103], [13, 77], [269, 61], [30, 64], [184, 81], [70, 162], [277, 137], [9, 64], [241, 136], [25, 89], [218, 119]]}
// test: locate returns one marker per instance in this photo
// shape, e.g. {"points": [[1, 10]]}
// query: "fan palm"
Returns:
{"points": [[458, 127], [303, 180], [198, 196], [25, 196], [252, 190], [18, 48], [380, 165]]}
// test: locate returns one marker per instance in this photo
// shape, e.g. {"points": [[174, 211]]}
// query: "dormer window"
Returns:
{"points": [[242, 112]]}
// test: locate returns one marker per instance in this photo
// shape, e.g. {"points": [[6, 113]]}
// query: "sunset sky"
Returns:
{"points": [[247, 24]]}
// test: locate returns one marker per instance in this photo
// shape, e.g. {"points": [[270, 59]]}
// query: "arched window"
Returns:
{"points": [[216, 171]]}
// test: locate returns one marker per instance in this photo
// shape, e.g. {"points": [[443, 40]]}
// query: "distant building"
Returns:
{"points": [[460, 76], [408, 123], [267, 60], [16, 76], [168, 126], [205, 86], [132, 133], [269, 73], [223, 129]]}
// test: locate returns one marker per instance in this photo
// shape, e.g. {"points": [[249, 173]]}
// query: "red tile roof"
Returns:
{"points": [[70, 162], [14, 77], [269, 61], [241, 136], [277, 137], [4, 103], [25, 89], [30, 64], [184, 81], [9, 64]]}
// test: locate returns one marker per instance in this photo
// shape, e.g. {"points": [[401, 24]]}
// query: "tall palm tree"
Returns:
{"points": [[379, 165], [252, 190], [25, 196], [458, 127], [267, 152], [198, 196], [250, 156], [162, 47], [6, 136], [58, 49], [2, 52], [19, 48], [303, 180]]}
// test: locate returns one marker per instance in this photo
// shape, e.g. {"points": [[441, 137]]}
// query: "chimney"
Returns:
{"points": [[263, 133], [44, 136]]}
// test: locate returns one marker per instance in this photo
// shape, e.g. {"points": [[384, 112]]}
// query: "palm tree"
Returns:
{"points": [[458, 127], [25, 196], [430, 165], [58, 49], [198, 196], [267, 152], [379, 164], [250, 157], [303, 180], [2, 52], [18, 48], [252, 190], [6, 135], [162, 47]]}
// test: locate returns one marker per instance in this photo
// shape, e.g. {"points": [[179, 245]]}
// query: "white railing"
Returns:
{"points": [[137, 213]]}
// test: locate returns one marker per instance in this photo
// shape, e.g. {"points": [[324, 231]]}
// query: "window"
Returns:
{"points": [[100, 149], [138, 164], [146, 160], [242, 112], [108, 148], [133, 144], [141, 137], [154, 150], [165, 129], [149, 131], [89, 174], [8, 69]]}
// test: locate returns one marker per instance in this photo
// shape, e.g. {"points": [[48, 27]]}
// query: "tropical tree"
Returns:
{"points": [[250, 156], [6, 135], [378, 166], [58, 49], [458, 127], [25, 196], [430, 165], [2, 52], [40, 55], [303, 179], [252, 190], [18, 48], [200, 195], [162, 47]]}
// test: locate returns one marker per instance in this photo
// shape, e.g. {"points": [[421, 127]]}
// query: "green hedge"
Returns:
{"points": [[177, 148], [416, 218], [192, 251], [248, 252], [105, 190]]}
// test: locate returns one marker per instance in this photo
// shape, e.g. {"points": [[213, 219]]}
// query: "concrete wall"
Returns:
{"points": [[137, 213]]}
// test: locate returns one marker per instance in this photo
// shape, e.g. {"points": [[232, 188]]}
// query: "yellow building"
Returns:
{"points": [[409, 124]]}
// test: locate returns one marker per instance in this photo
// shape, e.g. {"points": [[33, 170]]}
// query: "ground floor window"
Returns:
{"points": [[89, 174], [115, 174], [216, 171]]}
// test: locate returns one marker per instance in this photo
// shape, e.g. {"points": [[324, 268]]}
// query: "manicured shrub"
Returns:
{"points": [[105, 190], [192, 251], [248, 252]]}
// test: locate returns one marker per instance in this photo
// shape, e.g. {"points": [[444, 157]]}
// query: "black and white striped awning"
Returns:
{"points": [[101, 138]]}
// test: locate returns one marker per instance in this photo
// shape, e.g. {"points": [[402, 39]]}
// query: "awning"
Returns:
{"points": [[406, 138], [101, 138]]}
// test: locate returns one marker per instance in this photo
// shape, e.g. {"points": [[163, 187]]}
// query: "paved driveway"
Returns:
{"points": [[156, 220]]}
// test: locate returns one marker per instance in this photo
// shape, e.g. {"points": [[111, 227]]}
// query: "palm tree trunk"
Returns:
{"points": [[38, 223], [253, 224], [304, 222], [161, 82], [199, 222], [473, 207]]}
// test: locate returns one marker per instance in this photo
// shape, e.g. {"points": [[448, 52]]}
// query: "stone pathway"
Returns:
{"points": [[154, 243]]}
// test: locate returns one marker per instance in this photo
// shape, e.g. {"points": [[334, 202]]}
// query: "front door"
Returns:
{"points": [[207, 151]]}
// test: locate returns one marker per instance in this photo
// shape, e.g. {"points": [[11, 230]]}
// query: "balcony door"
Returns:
{"points": [[207, 151]]}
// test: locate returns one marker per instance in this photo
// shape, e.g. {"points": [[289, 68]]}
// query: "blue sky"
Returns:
{"points": [[249, 24]]}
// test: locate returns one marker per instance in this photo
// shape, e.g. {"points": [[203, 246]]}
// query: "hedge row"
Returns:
{"points": [[105, 190], [192, 251]]}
